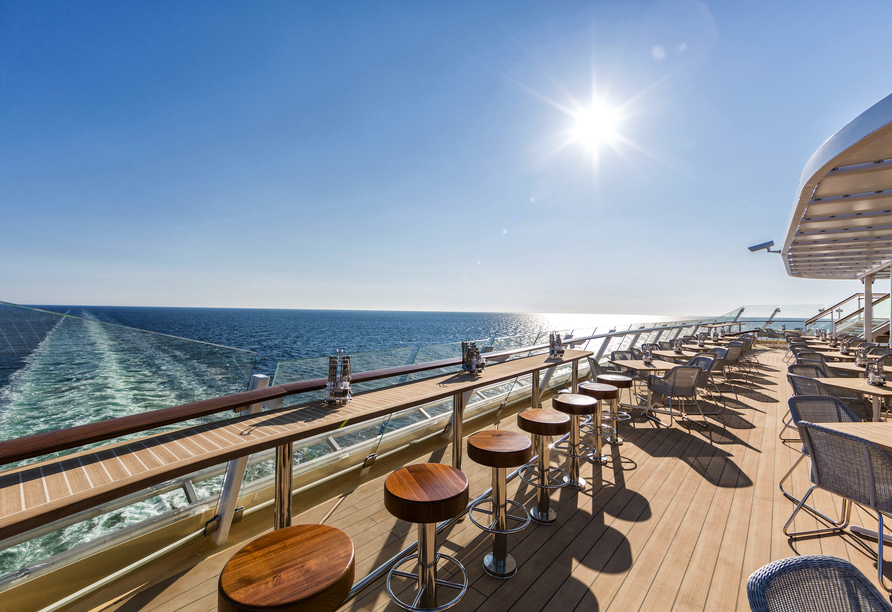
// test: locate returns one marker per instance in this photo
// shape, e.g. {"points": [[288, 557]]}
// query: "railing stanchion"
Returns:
{"points": [[235, 473], [535, 399], [284, 454], [458, 408]]}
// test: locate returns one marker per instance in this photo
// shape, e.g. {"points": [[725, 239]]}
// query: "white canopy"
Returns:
{"points": [[841, 225]]}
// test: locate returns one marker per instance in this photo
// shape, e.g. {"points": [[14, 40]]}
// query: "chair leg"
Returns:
{"points": [[882, 580], [836, 526], [787, 425], [795, 499]]}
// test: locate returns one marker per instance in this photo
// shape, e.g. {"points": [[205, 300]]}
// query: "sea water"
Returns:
{"points": [[96, 363]]}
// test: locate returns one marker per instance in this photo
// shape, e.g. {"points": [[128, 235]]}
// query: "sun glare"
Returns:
{"points": [[596, 125]]}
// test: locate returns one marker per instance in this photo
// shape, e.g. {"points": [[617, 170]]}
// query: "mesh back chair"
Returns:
{"points": [[852, 468], [636, 353], [879, 351], [597, 369], [810, 356], [678, 385], [809, 370], [718, 367], [705, 363], [732, 358], [791, 345], [813, 582], [862, 408], [815, 409], [665, 345], [624, 356]]}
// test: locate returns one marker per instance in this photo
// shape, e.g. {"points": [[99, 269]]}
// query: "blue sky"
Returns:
{"points": [[416, 156]]}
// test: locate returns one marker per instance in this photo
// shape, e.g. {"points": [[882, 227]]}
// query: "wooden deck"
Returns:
{"points": [[678, 521]]}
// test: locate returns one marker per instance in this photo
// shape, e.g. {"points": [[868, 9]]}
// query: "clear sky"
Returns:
{"points": [[419, 155]]}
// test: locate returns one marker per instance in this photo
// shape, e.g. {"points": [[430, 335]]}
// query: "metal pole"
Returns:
{"points": [[499, 563], [535, 399], [575, 382], [235, 472], [457, 410], [575, 481], [868, 308], [427, 565], [284, 466], [543, 513]]}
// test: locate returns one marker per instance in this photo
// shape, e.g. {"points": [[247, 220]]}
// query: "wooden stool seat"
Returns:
{"points": [[543, 422], [499, 449], [617, 380], [426, 493], [295, 569], [573, 403], [599, 391]]}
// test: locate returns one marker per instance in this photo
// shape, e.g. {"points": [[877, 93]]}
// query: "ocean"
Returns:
{"points": [[62, 366]]}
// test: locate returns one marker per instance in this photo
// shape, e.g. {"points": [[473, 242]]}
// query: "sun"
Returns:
{"points": [[596, 125]]}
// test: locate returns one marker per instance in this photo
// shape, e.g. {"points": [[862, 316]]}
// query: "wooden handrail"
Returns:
{"points": [[63, 439]]}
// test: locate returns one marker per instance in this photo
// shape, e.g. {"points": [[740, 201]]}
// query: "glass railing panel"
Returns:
{"points": [[512, 342], [317, 367], [59, 371], [436, 352], [614, 342]]}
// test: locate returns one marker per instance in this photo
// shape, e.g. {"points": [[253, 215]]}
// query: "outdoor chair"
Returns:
{"points": [[718, 367], [678, 385], [636, 353], [862, 408], [815, 409], [705, 363], [813, 582], [809, 370], [853, 468], [732, 359], [597, 369], [665, 345]]}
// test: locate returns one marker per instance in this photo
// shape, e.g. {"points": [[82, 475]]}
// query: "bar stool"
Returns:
{"points": [[600, 392], [499, 450], [294, 569], [426, 494], [543, 423], [620, 382], [574, 405]]}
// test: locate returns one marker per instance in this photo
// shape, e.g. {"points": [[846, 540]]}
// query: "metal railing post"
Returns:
{"points": [[284, 476], [235, 473], [458, 408]]}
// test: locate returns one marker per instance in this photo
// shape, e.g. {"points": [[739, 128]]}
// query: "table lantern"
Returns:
{"points": [[555, 346], [647, 353], [676, 345], [472, 362], [876, 375], [861, 356], [337, 389]]}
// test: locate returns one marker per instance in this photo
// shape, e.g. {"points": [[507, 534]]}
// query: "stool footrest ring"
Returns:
{"points": [[508, 502], [533, 480], [587, 449], [413, 607]]}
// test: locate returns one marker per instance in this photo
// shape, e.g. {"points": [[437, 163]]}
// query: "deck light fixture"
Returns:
{"points": [[337, 389], [765, 245]]}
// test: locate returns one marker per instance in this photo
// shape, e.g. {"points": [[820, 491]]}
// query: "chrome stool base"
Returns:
{"points": [[413, 607], [492, 529], [501, 570], [549, 518]]}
